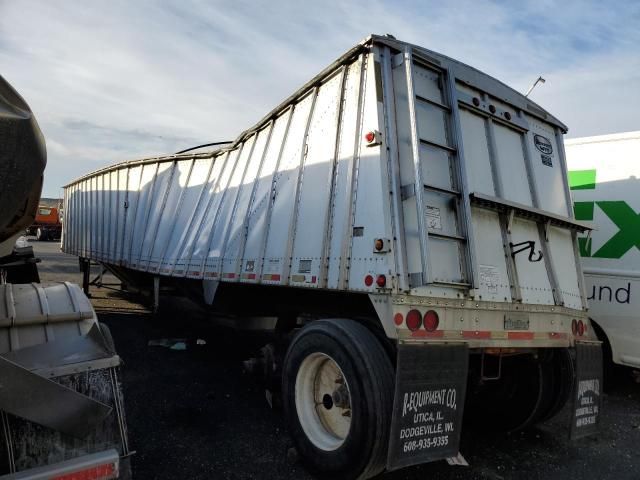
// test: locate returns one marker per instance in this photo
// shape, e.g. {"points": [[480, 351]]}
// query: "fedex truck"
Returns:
{"points": [[604, 177]]}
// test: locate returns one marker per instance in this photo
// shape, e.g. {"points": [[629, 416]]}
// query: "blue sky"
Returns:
{"points": [[118, 80]]}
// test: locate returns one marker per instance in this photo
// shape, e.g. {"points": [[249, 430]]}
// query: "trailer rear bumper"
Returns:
{"points": [[485, 324], [96, 466]]}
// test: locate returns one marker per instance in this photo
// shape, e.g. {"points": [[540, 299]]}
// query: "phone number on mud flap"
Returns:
{"points": [[425, 443]]}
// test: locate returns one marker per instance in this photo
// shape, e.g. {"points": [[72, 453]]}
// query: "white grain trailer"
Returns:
{"points": [[410, 217], [604, 174]]}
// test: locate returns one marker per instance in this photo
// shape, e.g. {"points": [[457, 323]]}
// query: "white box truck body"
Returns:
{"points": [[409, 217], [605, 182]]}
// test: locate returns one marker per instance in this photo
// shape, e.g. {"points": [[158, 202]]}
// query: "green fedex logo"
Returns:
{"points": [[619, 212]]}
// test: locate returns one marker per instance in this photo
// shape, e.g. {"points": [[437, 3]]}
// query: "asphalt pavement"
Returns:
{"points": [[195, 414]]}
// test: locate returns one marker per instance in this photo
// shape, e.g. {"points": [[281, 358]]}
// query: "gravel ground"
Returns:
{"points": [[194, 414]]}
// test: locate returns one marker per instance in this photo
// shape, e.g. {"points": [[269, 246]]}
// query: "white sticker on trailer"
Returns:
{"points": [[272, 265], [433, 217], [489, 277]]}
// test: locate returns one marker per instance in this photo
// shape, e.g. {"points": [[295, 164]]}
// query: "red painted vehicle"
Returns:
{"points": [[47, 225]]}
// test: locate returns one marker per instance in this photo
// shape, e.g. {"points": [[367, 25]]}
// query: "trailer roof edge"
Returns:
{"points": [[462, 71]]}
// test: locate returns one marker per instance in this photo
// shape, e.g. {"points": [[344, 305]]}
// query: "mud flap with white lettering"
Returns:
{"points": [[585, 418], [431, 383]]}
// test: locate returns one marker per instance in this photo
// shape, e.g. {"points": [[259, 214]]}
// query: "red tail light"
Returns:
{"points": [[381, 281], [107, 471], [398, 319], [431, 321], [368, 280], [370, 137], [414, 320], [580, 328], [574, 326]]}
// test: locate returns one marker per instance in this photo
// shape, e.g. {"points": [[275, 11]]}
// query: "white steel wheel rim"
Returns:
{"points": [[323, 401]]}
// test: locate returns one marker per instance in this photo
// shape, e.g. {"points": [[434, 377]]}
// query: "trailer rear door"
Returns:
{"points": [[485, 201]]}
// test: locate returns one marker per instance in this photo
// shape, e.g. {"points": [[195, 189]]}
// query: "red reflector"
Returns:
{"points": [[381, 281], [414, 320], [574, 326], [370, 137], [368, 280], [398, 319], [580, 328], [431, 321], [101, 472]]}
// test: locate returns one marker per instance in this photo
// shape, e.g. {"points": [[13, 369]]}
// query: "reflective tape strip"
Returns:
{"points": [[489, 335], [476, 334], [424, 333], [558, 336], [520, 336]]}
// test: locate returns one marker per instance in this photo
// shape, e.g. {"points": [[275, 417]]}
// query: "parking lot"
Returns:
{"points": [[195, 414]]}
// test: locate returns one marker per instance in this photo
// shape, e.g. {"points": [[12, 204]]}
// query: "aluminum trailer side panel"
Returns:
{"points": [[463, 182]]}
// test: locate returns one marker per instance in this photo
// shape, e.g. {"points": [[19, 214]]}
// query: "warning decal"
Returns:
{"points": [[489, 277], [433, 218]]}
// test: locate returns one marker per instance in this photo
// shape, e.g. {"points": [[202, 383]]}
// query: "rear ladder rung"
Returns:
{"points": [[447, 236], [440, 283], [438, 145], [434, 103], [447, 191]]}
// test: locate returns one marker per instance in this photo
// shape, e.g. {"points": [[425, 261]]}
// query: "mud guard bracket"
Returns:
{"points": [[585, 415], [431, 383]]}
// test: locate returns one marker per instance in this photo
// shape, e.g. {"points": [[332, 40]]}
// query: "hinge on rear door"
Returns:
{"points": [[407, 191], [415, 279], [547, 224], [397, 60]]}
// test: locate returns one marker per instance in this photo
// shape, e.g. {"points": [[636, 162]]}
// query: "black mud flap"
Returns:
{"points": [[431, 383], [585, 418]]}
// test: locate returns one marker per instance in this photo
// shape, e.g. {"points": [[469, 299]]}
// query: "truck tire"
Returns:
{"points": [[560, 373], [338, 386], [530, 391], [509, 403]]}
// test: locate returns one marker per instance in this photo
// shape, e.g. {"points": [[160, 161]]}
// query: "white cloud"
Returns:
{"points": [[117, 80]]}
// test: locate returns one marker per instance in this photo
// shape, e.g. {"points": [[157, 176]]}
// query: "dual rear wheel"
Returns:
{"points": [[338, 389], [530, 390]]}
